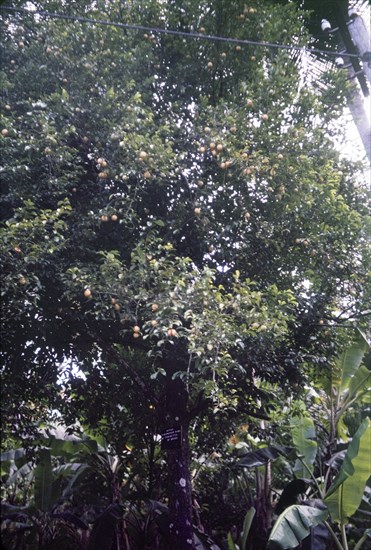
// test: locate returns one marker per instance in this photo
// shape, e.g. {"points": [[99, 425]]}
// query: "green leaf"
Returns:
{"points": [[345, 495], [43, 481], [231, 544], [303, 434], [360, 382], [18, 456], [65, 95], [350, 360], [8, 459], [247, 526], [294, 525], [261, 457], [68, 447]]}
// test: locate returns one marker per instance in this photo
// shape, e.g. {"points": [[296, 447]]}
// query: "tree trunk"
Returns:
{"points": [[179, 478], [180, 493]]}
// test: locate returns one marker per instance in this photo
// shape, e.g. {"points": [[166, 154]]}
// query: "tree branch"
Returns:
{"points": [[117, 358]]}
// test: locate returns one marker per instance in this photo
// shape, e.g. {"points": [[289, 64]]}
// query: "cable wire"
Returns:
{"points": [[156, 30]]}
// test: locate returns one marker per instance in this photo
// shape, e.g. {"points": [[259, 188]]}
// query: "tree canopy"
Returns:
{"points": [[178, 227]]}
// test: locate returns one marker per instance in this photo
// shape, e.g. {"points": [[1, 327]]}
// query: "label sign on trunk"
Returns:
{"points": [[171, 439]]}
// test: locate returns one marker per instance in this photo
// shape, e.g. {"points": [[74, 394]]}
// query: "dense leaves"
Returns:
{"points": [[179, 235]]}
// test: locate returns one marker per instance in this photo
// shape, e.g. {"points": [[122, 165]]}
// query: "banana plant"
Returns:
{"points": [[242, 542], [349, 381]]}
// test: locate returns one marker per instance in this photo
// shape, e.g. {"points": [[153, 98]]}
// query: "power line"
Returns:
{"points": [[183, 34]]}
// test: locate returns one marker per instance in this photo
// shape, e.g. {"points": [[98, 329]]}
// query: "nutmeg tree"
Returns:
{"points": [[176, 219]]}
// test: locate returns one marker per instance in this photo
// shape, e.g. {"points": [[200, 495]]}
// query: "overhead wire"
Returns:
{"points": [[158, 30]]}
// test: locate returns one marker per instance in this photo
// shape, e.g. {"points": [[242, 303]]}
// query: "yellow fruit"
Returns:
{"points": [[114, 218], [22, 281], [143, 155], [210, 65], [136, 328], [153, 322], [264, 117], [147, 175], [87, 293], [104, 218], [249, 102], [117, 307], [197, 211], [4, 132], [154, 307], [212, 145], [202, 150], [233, 129], [219, 147], [103, 175], [171, 332], [136, 334]]}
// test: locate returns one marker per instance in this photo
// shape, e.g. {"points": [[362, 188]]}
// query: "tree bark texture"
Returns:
{"points": [[179, 477]]}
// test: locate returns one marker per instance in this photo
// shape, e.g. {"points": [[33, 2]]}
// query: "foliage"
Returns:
{"points": [[342, 495], [294, 525], [180, 238]]}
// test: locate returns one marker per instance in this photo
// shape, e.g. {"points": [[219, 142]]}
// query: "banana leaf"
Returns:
{"points": [[345, 494], [294, 525], [350, 360], [43, 481], [303, 435], [262, 456]]}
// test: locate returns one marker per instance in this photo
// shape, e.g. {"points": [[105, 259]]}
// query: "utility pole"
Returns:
{"points": [[353, 38], [361, 39]]}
